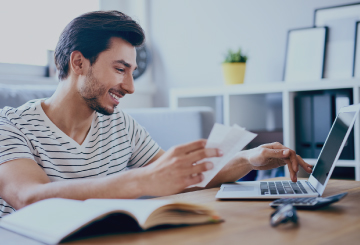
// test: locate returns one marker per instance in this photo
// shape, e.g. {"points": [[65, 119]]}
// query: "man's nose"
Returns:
{"points": [[128, 85]]}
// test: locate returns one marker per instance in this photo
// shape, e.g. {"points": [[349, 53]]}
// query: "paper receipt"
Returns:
{"points": [[228, 139]]}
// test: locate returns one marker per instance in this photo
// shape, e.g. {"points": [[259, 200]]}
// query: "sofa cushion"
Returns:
{"points": [[170, 127], [17, 95]]}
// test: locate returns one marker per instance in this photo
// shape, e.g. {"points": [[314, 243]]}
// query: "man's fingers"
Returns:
{"points": [[275, 145], [293, 175], [277, 150], [189, 147], [194, 179], [201, 154], [294, 161], [289, 154], [275, 153], [199, 168], [307, 167]]}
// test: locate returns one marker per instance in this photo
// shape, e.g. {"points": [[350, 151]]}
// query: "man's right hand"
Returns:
{"points": [[175, 170]]}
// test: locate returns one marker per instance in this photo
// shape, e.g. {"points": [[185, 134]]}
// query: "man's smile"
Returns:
{"points": [[115, 97]]}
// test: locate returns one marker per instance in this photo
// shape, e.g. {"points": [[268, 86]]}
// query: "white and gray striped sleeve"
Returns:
{"points": [[144, 148], [13, 143]]}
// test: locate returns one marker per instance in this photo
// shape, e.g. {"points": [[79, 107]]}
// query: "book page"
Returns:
{"points": [[141, 209], [150, 213], [51, 220]]}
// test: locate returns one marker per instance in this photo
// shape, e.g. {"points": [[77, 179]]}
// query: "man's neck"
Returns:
{"points": [[69, 112]]}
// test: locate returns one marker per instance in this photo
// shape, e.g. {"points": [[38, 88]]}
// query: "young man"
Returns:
{"points": [[77, 144]]}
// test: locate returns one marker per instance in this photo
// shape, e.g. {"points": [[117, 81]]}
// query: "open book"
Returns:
{"points": [[54, 220]]}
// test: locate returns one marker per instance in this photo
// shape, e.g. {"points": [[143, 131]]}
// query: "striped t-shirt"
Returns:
{"points": [[114, 143]]}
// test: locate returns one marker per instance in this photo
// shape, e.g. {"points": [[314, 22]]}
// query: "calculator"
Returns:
{"points": [[308, 203]]}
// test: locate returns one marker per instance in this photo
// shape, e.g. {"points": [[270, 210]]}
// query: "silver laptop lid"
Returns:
{"points": [[333, 146]]}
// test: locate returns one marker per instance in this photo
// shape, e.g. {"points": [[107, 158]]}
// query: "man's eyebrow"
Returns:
{"points": [[124, 63]]}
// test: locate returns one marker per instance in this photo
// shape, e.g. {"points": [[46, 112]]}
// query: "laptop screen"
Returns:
{"points": [[332, 146]]}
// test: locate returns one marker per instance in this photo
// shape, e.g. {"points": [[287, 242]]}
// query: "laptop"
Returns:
{"points": [[315, 185]]}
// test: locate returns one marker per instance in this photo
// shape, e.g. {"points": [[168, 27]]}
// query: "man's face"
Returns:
{"points": [[110, 77]]}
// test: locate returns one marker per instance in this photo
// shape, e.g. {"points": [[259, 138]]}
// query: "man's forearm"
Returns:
{"points": [[23, 182], [238, 167], [126, 185]]}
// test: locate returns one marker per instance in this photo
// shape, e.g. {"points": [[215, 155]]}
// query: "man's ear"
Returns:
{"points": [[78, 63]]}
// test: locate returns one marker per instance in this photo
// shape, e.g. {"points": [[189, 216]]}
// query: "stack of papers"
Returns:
{"points": [[228, 139]]}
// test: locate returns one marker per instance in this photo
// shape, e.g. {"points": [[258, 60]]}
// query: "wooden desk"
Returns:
{"points": [[247, 222]]}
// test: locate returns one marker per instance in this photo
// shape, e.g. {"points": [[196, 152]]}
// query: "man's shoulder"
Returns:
{"points": [[16, 113]]}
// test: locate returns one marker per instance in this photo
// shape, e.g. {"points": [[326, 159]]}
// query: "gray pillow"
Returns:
{"points": [[17, 95]]}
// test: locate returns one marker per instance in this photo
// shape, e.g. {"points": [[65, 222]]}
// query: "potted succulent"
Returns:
{"points": [[234, 67]]}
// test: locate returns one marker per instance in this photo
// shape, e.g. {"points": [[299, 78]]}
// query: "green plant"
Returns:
{"points": [[232, 57]]}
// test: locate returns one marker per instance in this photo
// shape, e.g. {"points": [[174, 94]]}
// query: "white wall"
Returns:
{"points": [[190, 37], [145, 89]]}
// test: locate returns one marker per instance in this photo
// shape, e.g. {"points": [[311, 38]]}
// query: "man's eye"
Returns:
{"points": [[120, 70]]}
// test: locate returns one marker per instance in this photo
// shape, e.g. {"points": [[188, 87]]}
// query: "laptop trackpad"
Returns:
{"points": [[239, 188]]}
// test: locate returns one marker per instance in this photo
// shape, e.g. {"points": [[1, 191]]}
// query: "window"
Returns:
{"points": [[30, 28]]}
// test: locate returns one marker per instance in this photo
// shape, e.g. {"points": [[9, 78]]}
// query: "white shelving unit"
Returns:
{"points": [[267, 107]]}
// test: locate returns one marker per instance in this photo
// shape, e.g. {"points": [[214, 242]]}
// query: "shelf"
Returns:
{"points": [[339, 163], [267, 106], [262, 88]]}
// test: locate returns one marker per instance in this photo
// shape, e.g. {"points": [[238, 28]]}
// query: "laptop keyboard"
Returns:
{"points": [[282, 187]]}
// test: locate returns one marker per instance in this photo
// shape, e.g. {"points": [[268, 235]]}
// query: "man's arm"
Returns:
{"points": [[23, 182], [156, 157], [264, 157]]}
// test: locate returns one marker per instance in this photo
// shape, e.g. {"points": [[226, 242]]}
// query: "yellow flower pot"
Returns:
{"points": [[234, 73]]}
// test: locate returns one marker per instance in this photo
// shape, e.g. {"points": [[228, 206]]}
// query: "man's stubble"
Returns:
{"points": [[91, 91]]}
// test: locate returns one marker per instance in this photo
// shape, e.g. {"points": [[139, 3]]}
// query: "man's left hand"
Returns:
{"points": [[273, 155]]}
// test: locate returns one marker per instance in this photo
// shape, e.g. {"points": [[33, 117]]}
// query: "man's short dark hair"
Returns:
{"points": [[90, 34]]}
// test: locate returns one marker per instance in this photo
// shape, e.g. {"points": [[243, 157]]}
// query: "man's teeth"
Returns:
{"points": [[114, 96]]}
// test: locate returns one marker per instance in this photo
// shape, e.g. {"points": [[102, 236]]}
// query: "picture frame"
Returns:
{"points": [[305, 53], [341, 21], [356, 67]]}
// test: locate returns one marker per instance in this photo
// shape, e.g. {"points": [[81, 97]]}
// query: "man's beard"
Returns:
{"points": [[92, 91]]}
